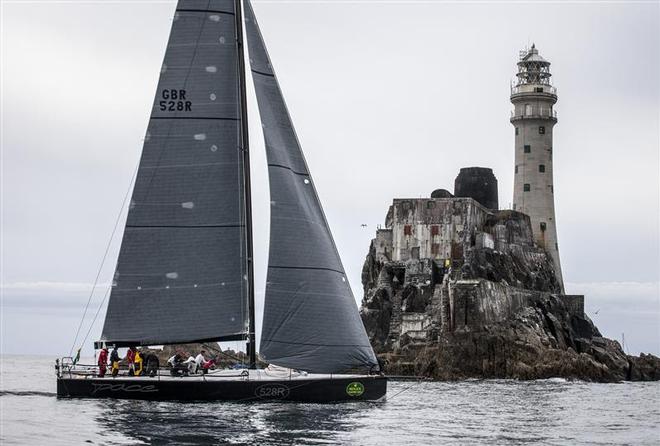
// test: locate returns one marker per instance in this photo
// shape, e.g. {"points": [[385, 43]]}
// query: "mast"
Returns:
{"points": [[245, 149]]}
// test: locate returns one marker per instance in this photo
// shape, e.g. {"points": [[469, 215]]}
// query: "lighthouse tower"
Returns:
{"points": [[533, 118]]}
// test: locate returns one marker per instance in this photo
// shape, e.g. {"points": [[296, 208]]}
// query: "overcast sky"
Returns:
{"points": [[389, 98]]}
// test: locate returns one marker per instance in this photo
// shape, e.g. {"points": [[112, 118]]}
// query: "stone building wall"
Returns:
{"points": [[429, 228]]}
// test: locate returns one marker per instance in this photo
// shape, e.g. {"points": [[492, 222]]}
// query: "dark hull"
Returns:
{"points": [[326, 390]]}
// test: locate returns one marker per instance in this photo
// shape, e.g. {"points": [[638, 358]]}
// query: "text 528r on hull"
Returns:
{"points": [[185, 267]]}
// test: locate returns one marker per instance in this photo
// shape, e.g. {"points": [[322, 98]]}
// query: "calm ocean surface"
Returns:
{"points": [[472, 412]]}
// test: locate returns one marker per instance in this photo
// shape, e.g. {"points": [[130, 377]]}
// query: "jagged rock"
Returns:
{"points": [[494, 309]]}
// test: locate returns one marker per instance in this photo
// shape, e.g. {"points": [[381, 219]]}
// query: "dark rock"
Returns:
{"points": [[494, 310]]}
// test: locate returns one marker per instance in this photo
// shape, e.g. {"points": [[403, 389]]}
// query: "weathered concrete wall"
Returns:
{"points": [[383, 244], [432, 228]]}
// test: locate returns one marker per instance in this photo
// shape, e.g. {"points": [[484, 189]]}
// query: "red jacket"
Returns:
{"points": [[130, 356], [103, 357]]}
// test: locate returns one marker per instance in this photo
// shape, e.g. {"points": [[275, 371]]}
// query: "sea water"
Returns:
{"points": [[481, 412]]}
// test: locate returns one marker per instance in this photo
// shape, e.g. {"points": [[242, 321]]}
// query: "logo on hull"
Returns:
{"points": [[137, 388], [272, 391], [355, 389]]}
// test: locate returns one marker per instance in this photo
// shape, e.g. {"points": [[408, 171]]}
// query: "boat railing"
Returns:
{"points": [[244, 374], [66, 367]]}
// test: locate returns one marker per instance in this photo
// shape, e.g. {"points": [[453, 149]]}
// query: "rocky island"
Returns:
{"points": [[455, 288]]}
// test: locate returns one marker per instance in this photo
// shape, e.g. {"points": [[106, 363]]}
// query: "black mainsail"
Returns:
{"points": [[311, 321], [182, 273]]}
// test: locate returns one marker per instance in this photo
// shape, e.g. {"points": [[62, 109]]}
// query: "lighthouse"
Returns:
{"points": [[533, 117]]}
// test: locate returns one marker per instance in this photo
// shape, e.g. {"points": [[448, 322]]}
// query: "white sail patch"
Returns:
{"points": [[172, 275], [214, 18], [211, 69], [188, 205], [200, 136]]}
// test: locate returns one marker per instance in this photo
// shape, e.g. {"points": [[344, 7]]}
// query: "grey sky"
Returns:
{"points": [[389, 100]]}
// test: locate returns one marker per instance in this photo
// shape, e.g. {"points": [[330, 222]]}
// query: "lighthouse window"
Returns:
{"points": [[407, 229], [543, 226], [516, 130], [541, 167], [516, 169], [541, 130], [526, 187], [528, 148]]}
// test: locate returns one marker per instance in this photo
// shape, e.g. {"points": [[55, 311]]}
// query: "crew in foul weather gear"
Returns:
{"points": [[130, 359], [137, 371], [102, 362], [151, 364], [114, 361]]}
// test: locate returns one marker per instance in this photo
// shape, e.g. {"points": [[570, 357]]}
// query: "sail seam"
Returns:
{"points": [[205, 10], [307, 267], [196, 117], [184, 226], [317, 345], [288, 168], [262, 73]]}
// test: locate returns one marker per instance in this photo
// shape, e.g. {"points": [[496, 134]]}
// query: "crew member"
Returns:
{"points": [[102, 362], [200, 360], [130, 360], [137, 362], [114, 361]]}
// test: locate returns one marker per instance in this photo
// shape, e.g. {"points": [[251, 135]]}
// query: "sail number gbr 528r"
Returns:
{"points": [[174, 100]]}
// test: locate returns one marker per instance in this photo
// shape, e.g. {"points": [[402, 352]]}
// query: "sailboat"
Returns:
{"points": [[185, 268]]}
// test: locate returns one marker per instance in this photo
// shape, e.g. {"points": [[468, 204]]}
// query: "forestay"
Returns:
{"points": [[181, 274], [311, 321]]}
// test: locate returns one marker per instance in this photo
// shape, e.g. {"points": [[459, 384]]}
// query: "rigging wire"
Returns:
{"points": [[98, 310], [105, 255], [404, 389]]}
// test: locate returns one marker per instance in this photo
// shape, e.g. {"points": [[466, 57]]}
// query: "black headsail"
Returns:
{"points": [[311, 320], [182, 273]]}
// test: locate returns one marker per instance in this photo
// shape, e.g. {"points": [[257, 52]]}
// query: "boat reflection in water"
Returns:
{"points": [[236, 423]]}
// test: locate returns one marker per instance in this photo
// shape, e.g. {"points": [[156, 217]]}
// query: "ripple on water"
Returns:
{"points": [[469, 412]]}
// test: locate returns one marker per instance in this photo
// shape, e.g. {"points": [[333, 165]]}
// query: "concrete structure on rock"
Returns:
{"points": [[533, 118], [447, 263]]}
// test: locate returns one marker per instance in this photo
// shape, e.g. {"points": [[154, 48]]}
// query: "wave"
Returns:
{"points": [[25, 393]]}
